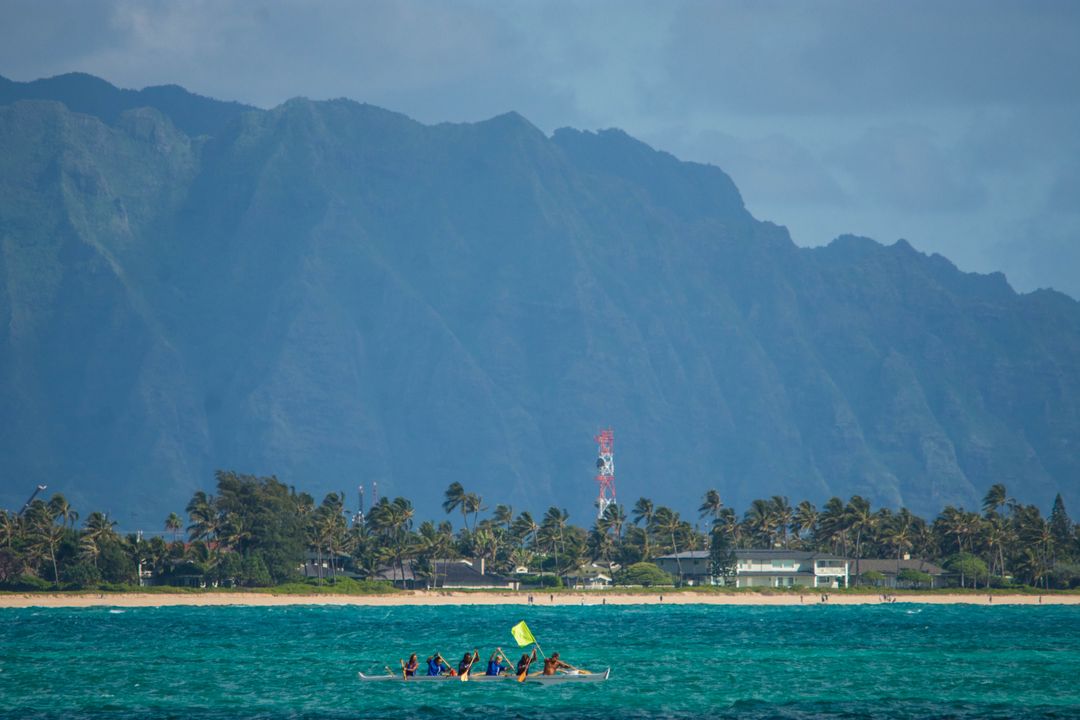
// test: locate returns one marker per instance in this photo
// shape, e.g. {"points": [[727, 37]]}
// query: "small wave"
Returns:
{"points": [[116, 612]]}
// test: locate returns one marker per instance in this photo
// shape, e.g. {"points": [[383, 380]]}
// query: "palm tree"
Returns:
{"points": [[762, 521], [457, 498], [88, 550], [174, 524], [62, 510], [898, 534], [504, 515], [667, 522], [612, 520], [472, 503], [643, 511], [393, 520], [486, 544], [600, 544], [710, 505], [46, 537], [861, 521], [833, 525], [804, 521], [524, 527], [995, 498], [552, 529], [782, 514], [99, 528], [203, 515], [9, 528]]}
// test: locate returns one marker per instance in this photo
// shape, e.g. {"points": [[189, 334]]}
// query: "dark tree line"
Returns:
{"points": [[258, 532]]}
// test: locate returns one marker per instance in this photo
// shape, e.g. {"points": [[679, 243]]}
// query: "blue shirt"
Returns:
{"points": [[493, 667], [434, 667]]}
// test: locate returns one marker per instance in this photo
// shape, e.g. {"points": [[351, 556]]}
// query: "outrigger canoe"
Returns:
{"points": [[543, 679]]}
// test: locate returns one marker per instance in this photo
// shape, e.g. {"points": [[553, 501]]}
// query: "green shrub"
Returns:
{"points": [[254, 572], [645, 574], [970, 568], [30, 582], [81, 575], [916, 578], [873, 577]]}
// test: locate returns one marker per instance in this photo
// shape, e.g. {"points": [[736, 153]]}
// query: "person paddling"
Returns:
{"points": [[495, 663], [467, 662], [411, 666], [553, 663], [524, 663], [437, 666]]}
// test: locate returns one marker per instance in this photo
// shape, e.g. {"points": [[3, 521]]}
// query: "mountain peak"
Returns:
{"points": [[327, 281]]}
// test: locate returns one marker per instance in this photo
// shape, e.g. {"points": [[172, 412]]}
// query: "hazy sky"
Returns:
{"points": [[955, 125]]}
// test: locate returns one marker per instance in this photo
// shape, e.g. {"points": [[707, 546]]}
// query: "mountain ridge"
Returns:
{"points": [[336, 293]]}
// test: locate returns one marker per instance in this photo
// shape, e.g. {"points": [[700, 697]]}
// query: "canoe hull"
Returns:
{"points": [[541, 679]]}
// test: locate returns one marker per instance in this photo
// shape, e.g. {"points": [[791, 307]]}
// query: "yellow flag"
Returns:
{"points": [[522, 634]]}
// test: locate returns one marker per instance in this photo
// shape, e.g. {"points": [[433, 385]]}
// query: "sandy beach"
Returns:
{"points": [[479, 598]]}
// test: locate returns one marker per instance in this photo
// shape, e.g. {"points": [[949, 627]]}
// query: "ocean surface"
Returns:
{"points": [[889, 661]]}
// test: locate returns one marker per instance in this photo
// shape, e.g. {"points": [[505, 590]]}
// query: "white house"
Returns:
{"points": [[764, 568]]}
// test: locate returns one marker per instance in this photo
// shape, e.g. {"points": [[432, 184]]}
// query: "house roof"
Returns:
{"points": [[756, 555], [888, 567], [460, 572], [394, 573]]}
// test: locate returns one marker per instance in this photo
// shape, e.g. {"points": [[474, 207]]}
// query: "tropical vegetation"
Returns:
{"points": [[260, 532]]}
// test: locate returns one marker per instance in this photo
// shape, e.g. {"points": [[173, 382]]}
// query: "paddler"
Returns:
{"points": [[467, 662], [495, 664], [525, 661], [411, 666], [437, 666], [553, 663]]}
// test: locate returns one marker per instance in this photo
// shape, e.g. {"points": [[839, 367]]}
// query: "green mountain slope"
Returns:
{"points": [[338, 294]]}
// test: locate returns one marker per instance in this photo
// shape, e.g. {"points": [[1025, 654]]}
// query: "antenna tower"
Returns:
{"points": [[359, 519], [605, 470]]}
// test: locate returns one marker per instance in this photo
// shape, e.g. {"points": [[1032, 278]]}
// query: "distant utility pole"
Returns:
{"points": [[359, 519], [605, 470], [32, 496]]}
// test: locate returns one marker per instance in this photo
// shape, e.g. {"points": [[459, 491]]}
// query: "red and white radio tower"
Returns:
{"points": [[605, 470]]}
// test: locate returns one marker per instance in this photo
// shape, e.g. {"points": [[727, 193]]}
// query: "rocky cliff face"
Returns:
{"points": [[337, 294]]}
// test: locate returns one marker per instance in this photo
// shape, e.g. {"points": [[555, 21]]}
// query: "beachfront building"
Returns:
{"points": [[323, 565], [469, 575], [590, 576], [449, 575], [763, 568], [920, 574]]}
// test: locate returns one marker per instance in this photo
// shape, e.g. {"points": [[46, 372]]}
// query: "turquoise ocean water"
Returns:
{"points": [[888, 661]]}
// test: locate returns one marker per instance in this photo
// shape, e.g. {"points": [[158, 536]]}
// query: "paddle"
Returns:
{"points": [[468, 668], [502, 656], [525, 673], [404, 675]]}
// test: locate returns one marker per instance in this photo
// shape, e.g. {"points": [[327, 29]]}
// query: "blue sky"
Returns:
{"points": [[953, 125]]}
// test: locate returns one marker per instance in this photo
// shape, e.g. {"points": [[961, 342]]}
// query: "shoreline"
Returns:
{"points": [[422, 598]]}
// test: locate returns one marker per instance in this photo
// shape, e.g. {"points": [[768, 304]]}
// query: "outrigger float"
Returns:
{"points": [[538, 678]]}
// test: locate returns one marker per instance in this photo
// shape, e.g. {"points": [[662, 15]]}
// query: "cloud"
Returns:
{"points": [[1064, 194], [904, 167], [770, 169], [1042, 251], [874, 56]]}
